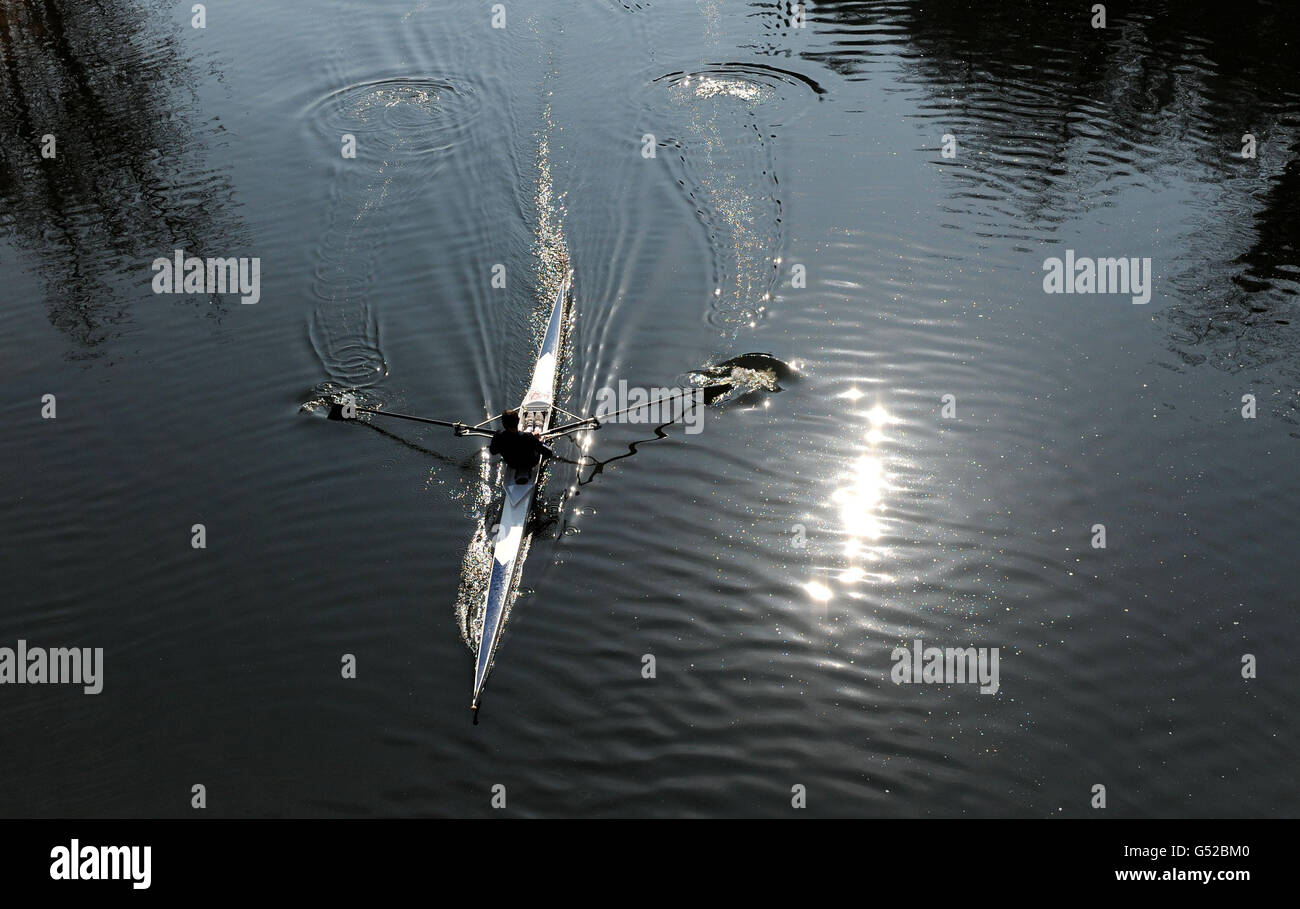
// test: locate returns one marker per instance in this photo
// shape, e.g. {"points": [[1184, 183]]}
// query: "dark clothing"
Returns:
{"points": [[520, 450]]}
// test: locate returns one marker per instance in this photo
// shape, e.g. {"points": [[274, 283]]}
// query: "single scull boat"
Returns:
{"points": [[518, 490]]}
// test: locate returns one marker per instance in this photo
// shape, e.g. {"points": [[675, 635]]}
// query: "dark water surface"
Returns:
{"points": [[771, 563]]}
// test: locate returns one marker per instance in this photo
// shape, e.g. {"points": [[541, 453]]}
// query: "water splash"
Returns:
{"points": [[740, 376]]}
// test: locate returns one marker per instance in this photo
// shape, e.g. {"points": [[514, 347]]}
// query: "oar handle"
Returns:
{"points": [[578, 426]]}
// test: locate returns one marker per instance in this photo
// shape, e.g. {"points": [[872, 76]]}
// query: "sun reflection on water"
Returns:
{"points": [[859, 498]]}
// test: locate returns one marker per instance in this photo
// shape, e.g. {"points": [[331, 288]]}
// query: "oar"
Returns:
{"points": [[336, 413], [594, 422]]}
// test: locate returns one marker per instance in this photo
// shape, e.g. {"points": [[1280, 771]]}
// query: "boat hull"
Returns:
{"points": [[509, 536]]}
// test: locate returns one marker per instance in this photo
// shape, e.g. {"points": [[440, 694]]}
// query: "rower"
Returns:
{"points": [[520, 450]]}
